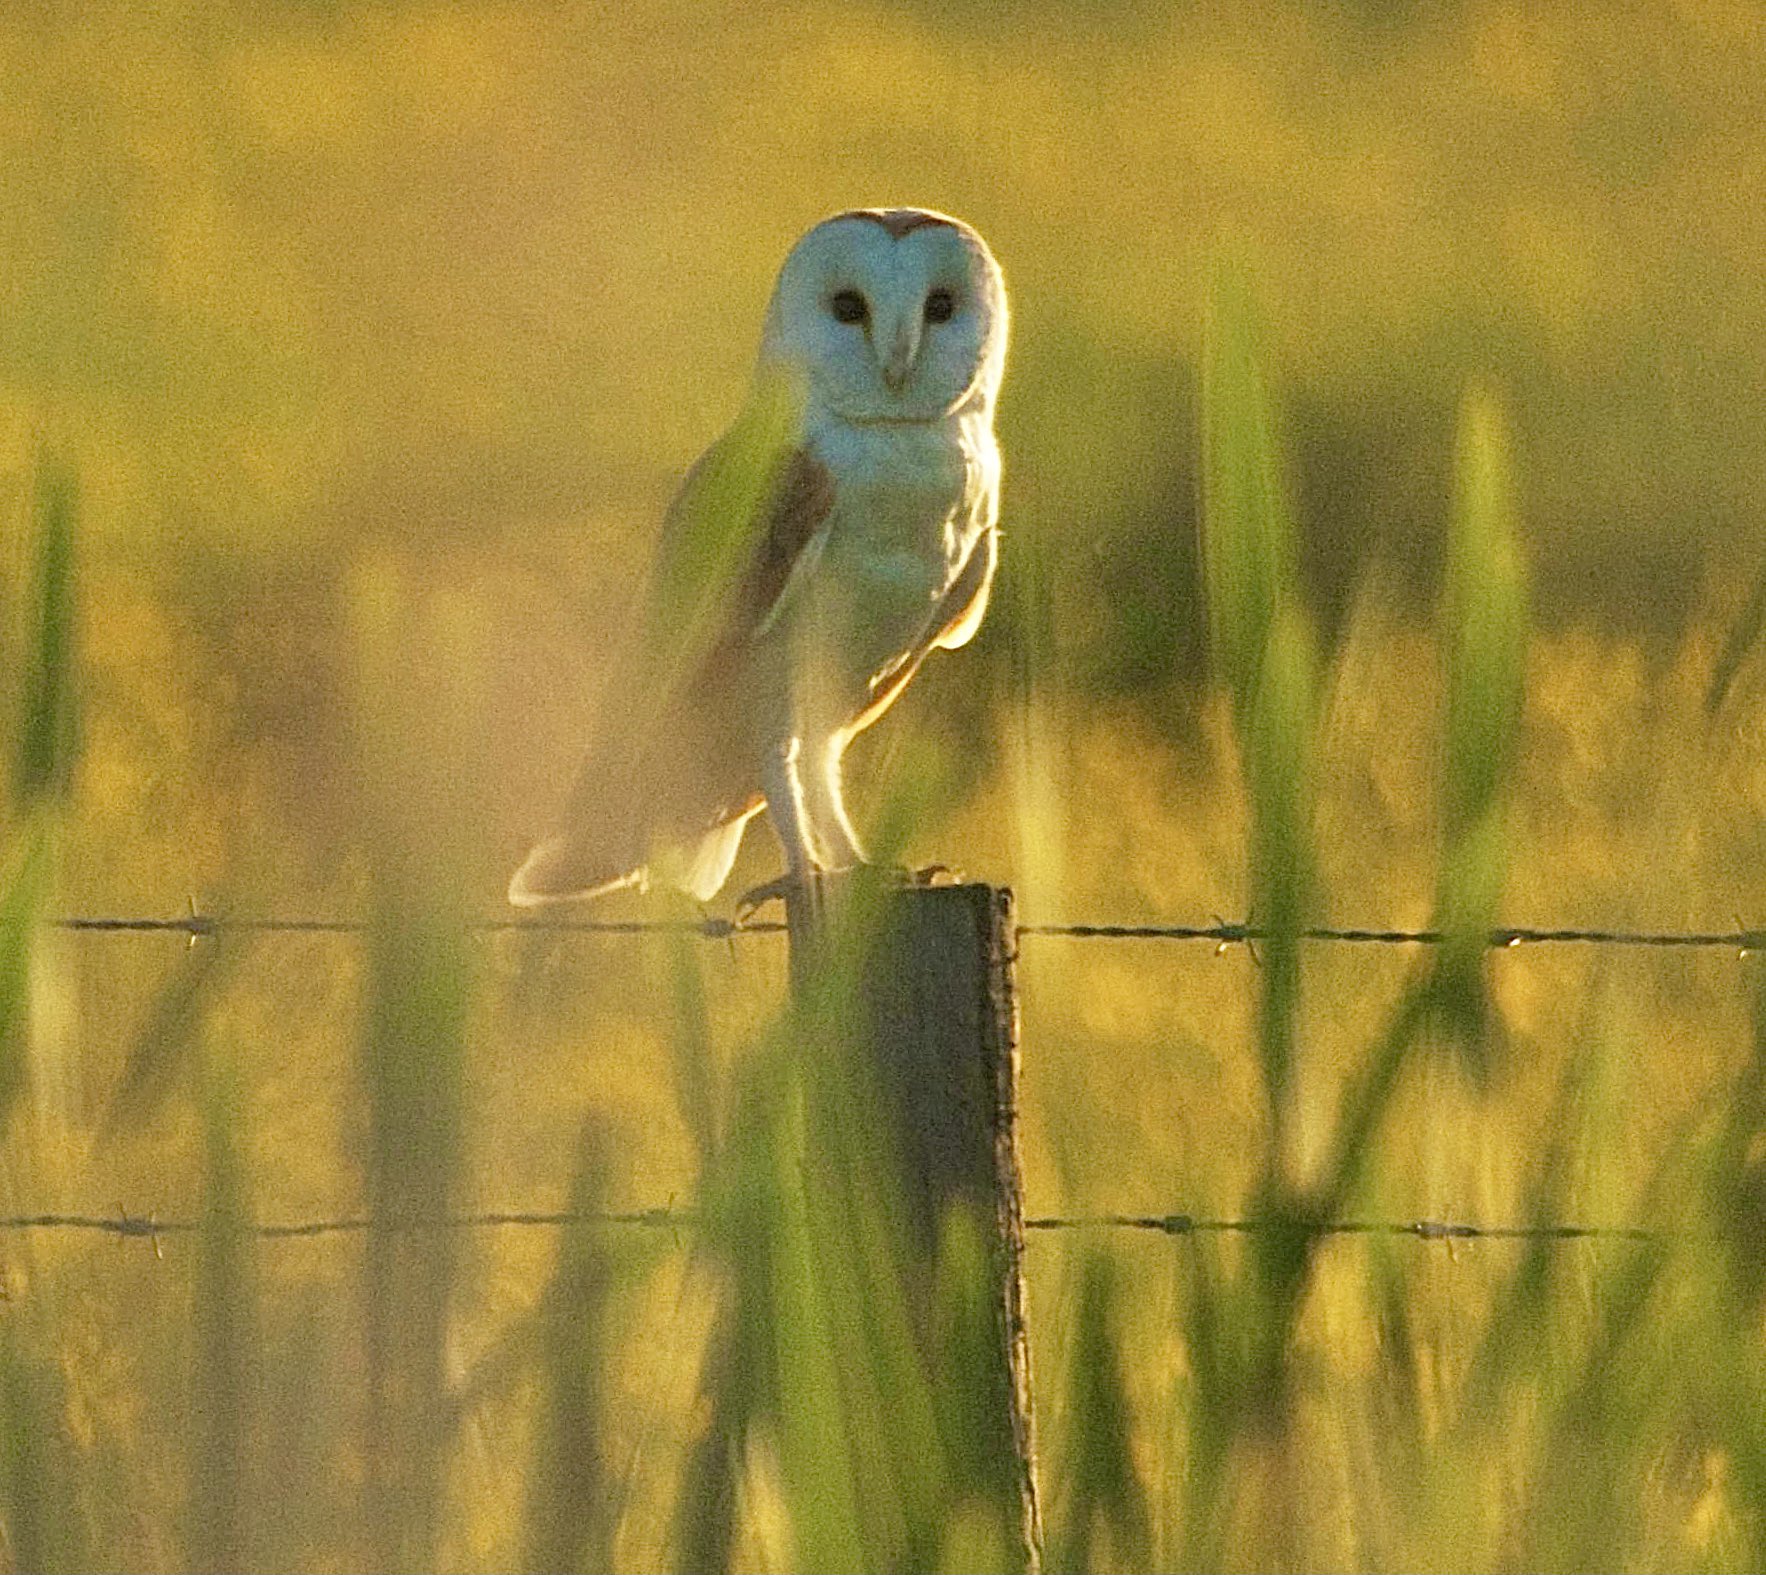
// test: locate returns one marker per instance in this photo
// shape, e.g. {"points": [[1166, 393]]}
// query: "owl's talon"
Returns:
{"points": [[925, 875], [757, 897]]}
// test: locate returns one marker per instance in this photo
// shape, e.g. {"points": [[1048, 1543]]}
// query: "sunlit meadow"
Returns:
{"points": [[348, 355]]}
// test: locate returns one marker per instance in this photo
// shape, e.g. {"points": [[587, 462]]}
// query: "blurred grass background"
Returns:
{"points": [[389, 329]]}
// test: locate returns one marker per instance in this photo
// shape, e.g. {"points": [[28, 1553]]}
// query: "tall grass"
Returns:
{"points": [[418, 980], [1102, 1519], [45, 722], [1242, 1318], [41, 1476], [573, 1498], [224, 1406], [1581, 1408], [1569, 1368]]}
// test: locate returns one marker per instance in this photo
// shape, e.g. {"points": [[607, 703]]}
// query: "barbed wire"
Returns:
{"points": [[1423, 1230], [1221, 933], [195, 926], [149, 1227], [201, 926], [1501, 939]]}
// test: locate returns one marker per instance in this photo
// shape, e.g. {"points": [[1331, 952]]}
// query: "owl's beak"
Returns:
{"points": [[904, 350]]}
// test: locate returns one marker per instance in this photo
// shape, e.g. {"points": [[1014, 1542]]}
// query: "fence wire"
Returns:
{"points": [[195, 926], [201, 926], [1220, 933], [149, 1227]]}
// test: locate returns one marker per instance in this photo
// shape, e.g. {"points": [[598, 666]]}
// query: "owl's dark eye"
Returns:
{"points": [[848, 306], [939, 306]]}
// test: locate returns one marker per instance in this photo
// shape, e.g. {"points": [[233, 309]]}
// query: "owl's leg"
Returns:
{"points": [[783, 786], [782, 783], [829, 822]]}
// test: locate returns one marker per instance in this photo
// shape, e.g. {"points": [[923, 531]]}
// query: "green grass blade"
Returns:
{"points": [[21, 907], [1743, 635], [1278, 759], [1101, 1489], [706, 1514], [570, 1506], [47, 722], [984, 1492], [42, 765], [1516, 1328], [738, 1383], [1248, 544], [1217, 1337], [171, 1036], [1263, 652], [715, 528], [417, 992], [414, 1032], [816, 1448], [221, 1486], [1484, 614], [855, 1211], [1736, 1190], [1485, 629], [690, 1049]]}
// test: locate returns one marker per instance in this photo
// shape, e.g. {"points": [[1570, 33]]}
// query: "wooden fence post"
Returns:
{"points": [[937, 1015]]}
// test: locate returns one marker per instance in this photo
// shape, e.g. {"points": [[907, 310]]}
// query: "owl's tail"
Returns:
{"points": [[663, 797], [600, 844], [572, 866], [567, 867]]}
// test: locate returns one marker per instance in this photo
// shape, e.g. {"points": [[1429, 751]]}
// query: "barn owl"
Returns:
{"points": [[873, 541]]}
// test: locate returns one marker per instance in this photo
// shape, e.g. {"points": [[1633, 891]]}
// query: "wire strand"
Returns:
{"points": [[150, 1227], [1507, 937], [1221, 934], [202, 925], [1424, 1230]]}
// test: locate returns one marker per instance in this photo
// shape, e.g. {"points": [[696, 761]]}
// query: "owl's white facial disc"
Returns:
{"points": [[893, 315]]}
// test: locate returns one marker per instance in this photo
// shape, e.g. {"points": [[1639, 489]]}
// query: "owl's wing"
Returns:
{"points": [[687, 727], [965, 603], [746, 514], [671, 760], [788, 542]]}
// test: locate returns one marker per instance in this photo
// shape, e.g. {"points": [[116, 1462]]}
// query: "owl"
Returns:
{"points": [[872, 542]]}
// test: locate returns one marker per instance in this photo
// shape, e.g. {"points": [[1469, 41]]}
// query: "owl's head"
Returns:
{"points": [[891, 314]]}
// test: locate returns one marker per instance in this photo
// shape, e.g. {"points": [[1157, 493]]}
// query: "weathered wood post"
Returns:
{"points": [[936, 1015]]}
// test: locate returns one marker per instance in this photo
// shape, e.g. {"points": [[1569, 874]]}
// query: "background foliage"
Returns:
{"points": [[376, 338]]}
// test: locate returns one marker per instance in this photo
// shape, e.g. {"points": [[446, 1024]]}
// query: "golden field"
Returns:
{"points": [[395, 325]]}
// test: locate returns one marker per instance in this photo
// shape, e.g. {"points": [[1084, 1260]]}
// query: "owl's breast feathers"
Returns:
{"points": [[872, 549], [892, 558], [912, 503]]}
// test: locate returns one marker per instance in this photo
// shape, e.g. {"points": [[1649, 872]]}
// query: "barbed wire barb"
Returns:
{"points": [[149, 1227], [1221, 934]]}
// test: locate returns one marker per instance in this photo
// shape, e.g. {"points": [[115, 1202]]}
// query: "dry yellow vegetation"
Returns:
{"points": [[449, 294]]}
